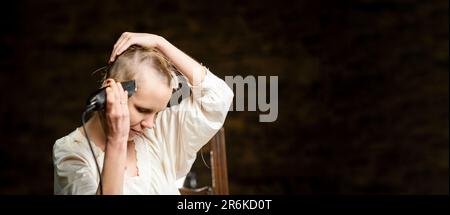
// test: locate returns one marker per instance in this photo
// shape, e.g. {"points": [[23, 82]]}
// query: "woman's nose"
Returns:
{"points": [[148, 123]]}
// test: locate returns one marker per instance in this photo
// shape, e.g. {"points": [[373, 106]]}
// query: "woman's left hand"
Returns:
{"points": [[190, 68], [128, 39]]}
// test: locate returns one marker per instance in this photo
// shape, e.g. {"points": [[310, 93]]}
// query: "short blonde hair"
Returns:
{"points": [[124, 67]]}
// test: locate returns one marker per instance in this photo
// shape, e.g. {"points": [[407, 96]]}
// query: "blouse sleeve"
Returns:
{"points": [[73, 173], [186, 127]]}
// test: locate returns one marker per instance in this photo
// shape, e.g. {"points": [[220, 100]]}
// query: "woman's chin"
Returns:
{"points": [[131, 136]]}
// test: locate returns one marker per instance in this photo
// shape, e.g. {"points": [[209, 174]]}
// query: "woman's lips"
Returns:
{"points": [[137, 132]]}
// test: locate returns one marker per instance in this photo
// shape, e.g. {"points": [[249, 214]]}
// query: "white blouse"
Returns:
{"points": [[165, 154]]}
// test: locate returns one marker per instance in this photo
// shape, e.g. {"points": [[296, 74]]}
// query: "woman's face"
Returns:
{"points": [[151, 97]]}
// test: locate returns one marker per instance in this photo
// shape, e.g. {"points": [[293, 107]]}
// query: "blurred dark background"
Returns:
{"points": [[363, 87]]}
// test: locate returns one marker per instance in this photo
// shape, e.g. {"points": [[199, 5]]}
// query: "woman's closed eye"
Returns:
{"points": [[144, 110]]}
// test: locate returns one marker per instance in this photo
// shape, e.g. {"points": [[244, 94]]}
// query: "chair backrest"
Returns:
{"points": [[219, 172]]}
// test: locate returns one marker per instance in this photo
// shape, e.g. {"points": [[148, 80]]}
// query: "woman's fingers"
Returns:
{"points": [[118, 121], [123, 98], [119, 41], [110, 98], [118, 47], [125, 45], [111, 58], [128, 39], [113, 97], [117, 100], [124, 103], [115, 92]]}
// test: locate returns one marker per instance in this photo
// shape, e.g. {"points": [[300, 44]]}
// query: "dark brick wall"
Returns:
{"points": [[363, 87]]}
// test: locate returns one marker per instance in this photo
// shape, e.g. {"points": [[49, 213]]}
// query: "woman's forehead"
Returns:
{"points": [[152, 90], [152, 96]]}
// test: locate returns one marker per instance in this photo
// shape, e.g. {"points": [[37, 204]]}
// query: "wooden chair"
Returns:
{"points": [[219, 173]]}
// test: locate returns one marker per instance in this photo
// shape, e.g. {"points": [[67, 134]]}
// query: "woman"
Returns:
{"points": [[141, 146]]}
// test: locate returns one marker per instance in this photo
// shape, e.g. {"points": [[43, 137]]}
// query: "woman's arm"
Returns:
{"points": [[190, 68], [118, 127]]}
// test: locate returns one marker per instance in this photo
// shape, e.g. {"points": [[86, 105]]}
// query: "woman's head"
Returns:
{"points": [[154, 76]]}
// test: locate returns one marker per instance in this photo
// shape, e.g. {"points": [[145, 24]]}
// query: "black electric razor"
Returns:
{"points": [[97, 99]]}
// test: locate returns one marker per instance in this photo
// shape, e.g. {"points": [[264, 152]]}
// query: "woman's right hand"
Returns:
{"points": [[117, 114]]}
